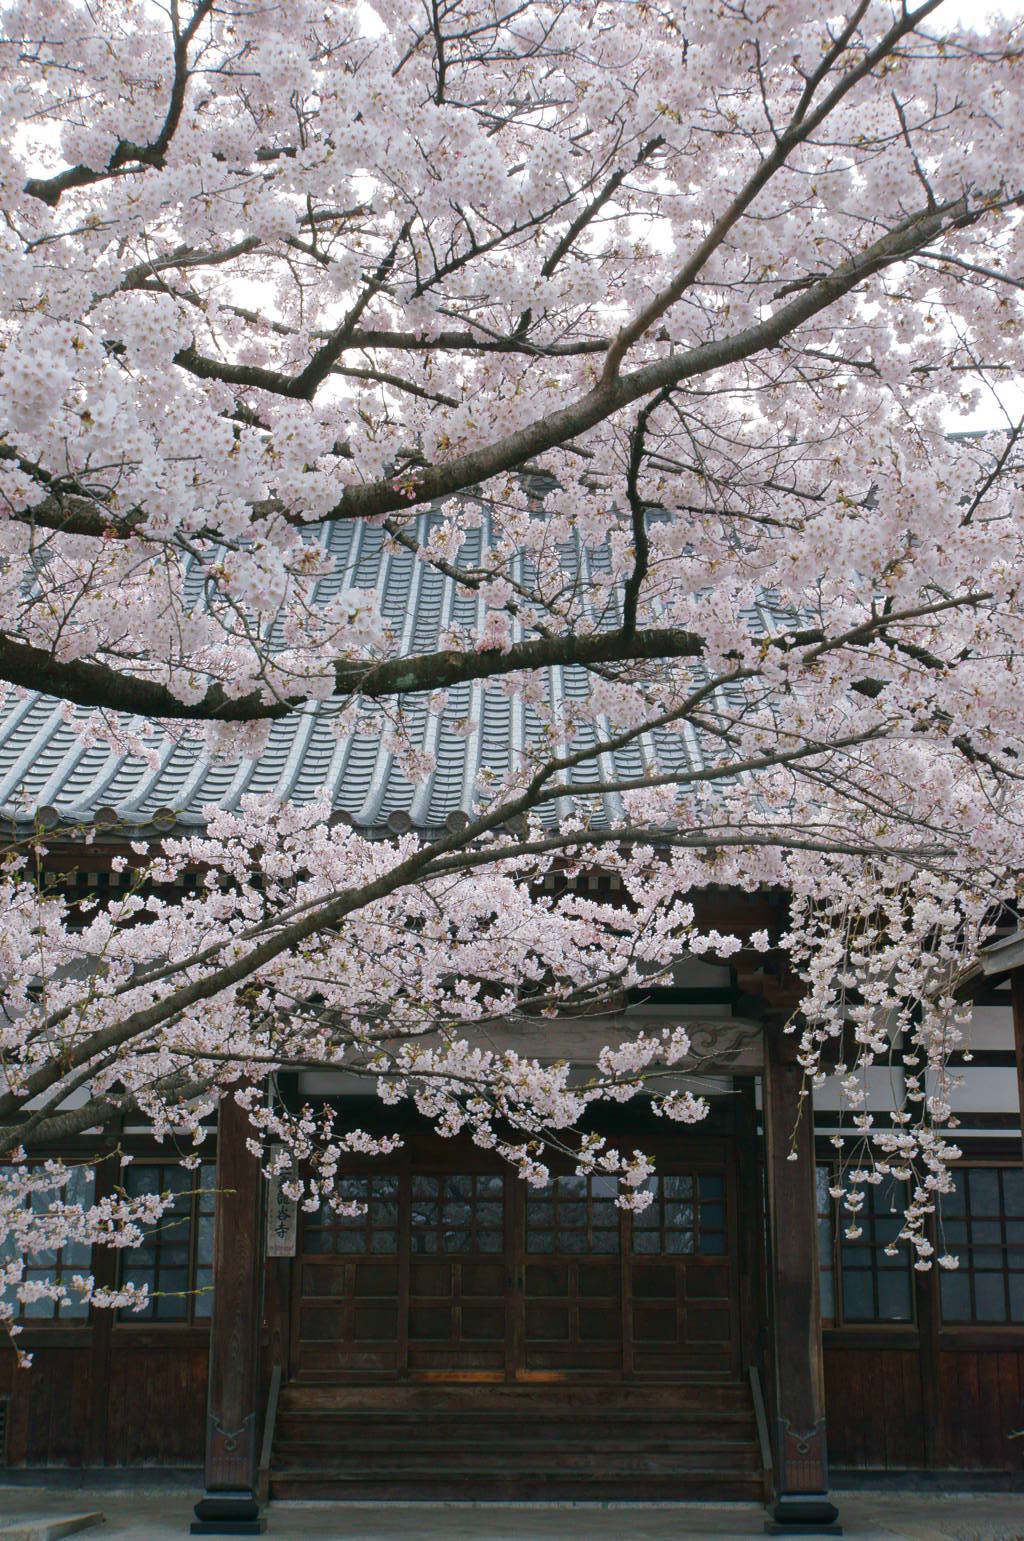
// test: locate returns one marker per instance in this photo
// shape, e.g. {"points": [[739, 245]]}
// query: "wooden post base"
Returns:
{"points": [[228, 1513], [803, 1514]]}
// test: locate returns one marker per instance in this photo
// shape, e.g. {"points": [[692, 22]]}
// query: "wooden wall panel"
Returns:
{"points": [[981, 1404], [874, 1406], [49, 1410], [7, 1363], [877, 1413], [156, 1411]]}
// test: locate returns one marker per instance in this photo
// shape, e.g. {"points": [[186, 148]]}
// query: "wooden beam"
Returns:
{"points": [[1017, 995], [105, 1272], [229, 1505], [749, 1228], [802, 1504]]}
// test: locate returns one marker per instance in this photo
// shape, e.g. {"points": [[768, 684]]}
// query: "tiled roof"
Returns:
{"points": [[45, 765]]}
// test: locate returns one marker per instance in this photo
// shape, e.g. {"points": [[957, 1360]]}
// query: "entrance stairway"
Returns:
{"points": [[510, 1441]]}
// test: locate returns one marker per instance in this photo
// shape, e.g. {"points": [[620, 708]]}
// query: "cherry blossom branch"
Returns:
{"points": [[127, 156]]}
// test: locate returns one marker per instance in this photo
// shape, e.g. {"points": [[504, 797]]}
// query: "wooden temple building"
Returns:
{"points": [[470, 1337]]}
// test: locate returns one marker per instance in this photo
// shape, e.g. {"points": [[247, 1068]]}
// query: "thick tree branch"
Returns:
{"points": [[127, 156], [100, 685], [801, 126]]}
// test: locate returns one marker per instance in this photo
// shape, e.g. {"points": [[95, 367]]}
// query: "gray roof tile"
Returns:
{"points": [[42, 761]]}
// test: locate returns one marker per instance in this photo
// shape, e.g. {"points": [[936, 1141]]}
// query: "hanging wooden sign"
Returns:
{"points": [[282, 1215]]}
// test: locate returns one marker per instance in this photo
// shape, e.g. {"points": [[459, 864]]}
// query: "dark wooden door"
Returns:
{"points": [[567, 1304], [453, 1271]]}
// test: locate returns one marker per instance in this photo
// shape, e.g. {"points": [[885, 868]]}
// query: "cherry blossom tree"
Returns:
{"points": [[663, 312]]}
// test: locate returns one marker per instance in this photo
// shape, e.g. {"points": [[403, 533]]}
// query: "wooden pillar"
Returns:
{"points": [[751, 1256], [229, 1505], [801, 1503], [104, 1271], [1017, 988]]}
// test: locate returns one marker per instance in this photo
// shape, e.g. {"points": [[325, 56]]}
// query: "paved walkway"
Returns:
{"points": [[153, 1514]]}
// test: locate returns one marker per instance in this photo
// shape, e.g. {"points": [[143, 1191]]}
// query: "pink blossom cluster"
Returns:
{"points": [[637, 332]]}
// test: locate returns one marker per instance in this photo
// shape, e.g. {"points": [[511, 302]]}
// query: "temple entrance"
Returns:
{"points": [[457, 1271]]}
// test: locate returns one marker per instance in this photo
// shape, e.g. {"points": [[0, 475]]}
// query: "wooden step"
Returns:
{"points": [[473, 1397], [500, 1486], [597, 1433], [597, 1437], [450, 1440], [344, 1427], [295, 1456]]}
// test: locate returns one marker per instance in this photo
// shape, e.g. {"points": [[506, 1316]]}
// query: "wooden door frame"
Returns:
{"points": [[423, 1154]]}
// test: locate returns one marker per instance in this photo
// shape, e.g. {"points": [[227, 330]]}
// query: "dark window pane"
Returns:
{"points": [[712, 1243], [858, 1296], [989, 1297], [170, 1308], [894, 1297], [1013, 1191], [204, 1299], [955, 1295], [954, 1203], [822, 1180], [682, 1214], [1016, 1285], [143, 1256], [827, 1290], [984, 1191], [345, 1241], [204, 1246], [711, 1185], [678, 1241], [678, 1187], [986, 1232], [900, 1260], [37, 1310]]}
